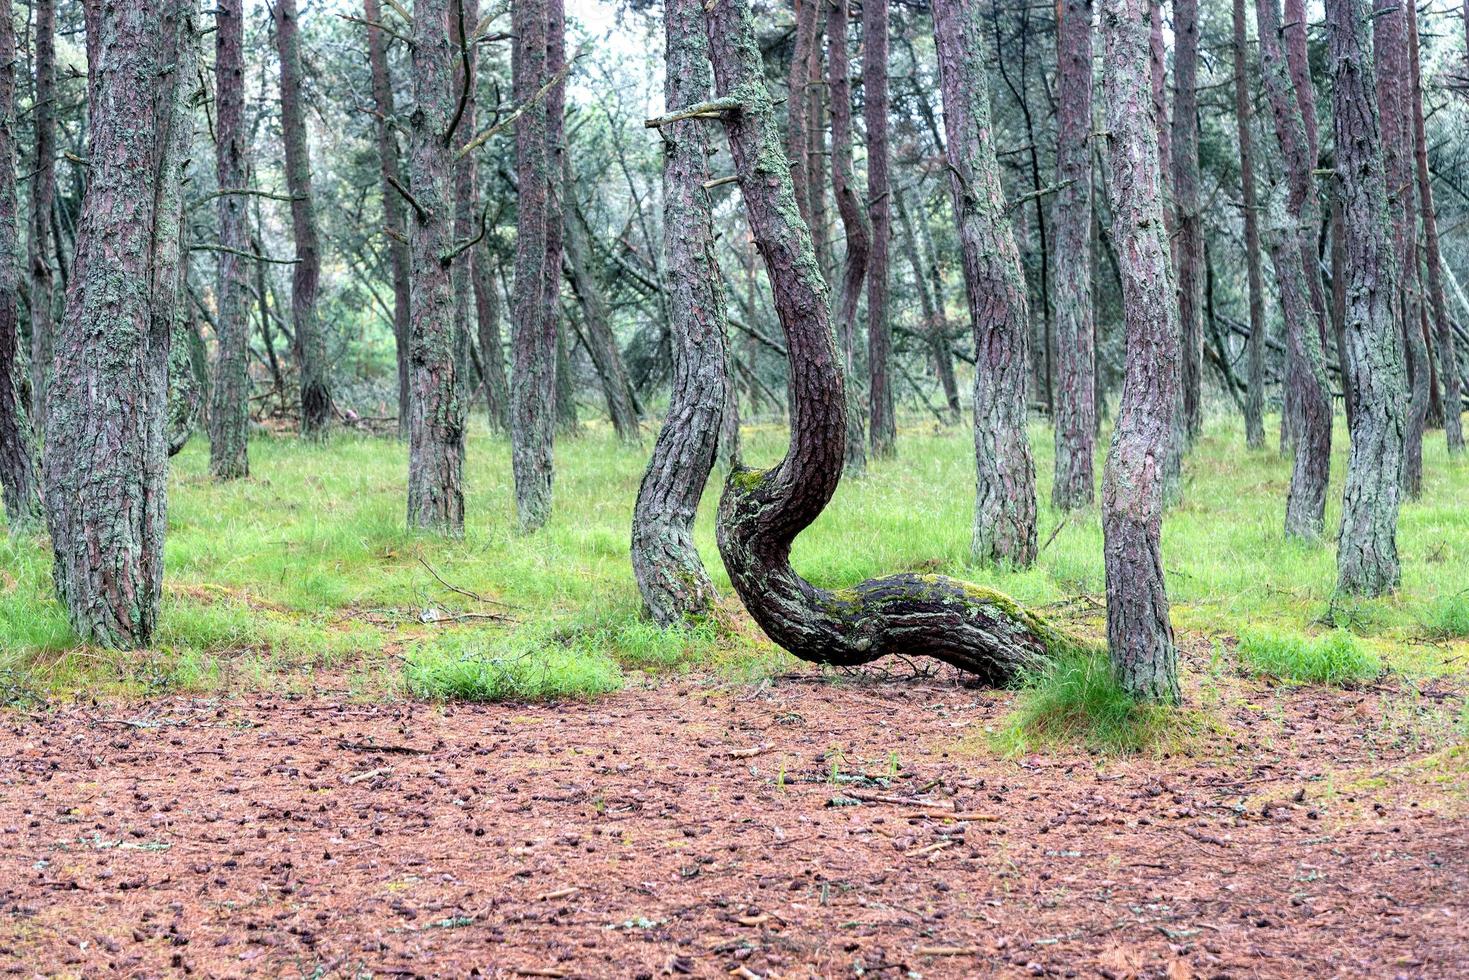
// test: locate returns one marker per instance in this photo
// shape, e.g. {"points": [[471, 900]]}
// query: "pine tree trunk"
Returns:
{"points": [[42, 193], [762, 511], [533, 332], [1139, 632], [104, 472], [435, 409], [1005, 505], [935, 325], [555, 97], [798, 115], [1071, 222], [1189, 222], [816, 156], [1243, 114], [671, 577], [387, 154], [882, 425], [229, 417], [1443, 327], [1367, 554], [1158, 92]]}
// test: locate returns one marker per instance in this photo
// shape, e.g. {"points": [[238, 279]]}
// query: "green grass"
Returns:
{"points": [[524, 667], [307, 568], [1337, 658]]}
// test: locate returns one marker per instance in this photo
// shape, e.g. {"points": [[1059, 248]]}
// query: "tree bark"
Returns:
{"points": [[1367, 554], [533, 333], [104, 471], [670, 575], [555, 228], [935, 324], [1189, 223], [1243, 114], [1443, 329], [1071, 221], [1139, 632], [229, 417], [388, 164], [798, 114], [762, 511], [1005, 506], [882, 425], [1157, 72], [42, 194]]}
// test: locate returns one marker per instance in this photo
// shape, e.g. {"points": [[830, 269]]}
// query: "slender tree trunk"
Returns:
{"points": [[387, 154], [555, 228], [1443, 328], [105, 463], [533, 335], [883, 423], [1339, 306], [935, 325], [435, 409], [1185, 153], [1157, 71], [21, 492], [671, 577], [1071, 222], [816, 169], [43, 193], [1367, 553], [229, 410], [1243, 112], [491, 347], [762, 511], [798, 116], [1004, 511], [1139, 631]]}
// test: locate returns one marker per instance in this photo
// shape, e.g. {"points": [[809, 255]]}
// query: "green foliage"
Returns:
{"points": [[522, 668], [1447, 618], [1336, 658]]}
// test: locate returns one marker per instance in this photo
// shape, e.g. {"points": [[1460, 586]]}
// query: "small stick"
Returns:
{"points": [[370, 774]]}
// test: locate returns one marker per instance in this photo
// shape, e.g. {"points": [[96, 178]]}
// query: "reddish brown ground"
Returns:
{"points": [[1318, 833]]}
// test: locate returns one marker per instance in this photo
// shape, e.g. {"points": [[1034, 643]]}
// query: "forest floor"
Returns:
{"points": [[807, 826]]}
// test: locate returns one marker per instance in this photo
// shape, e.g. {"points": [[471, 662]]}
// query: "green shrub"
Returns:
{"points": [[1448, 618], [520, 669], [1337, 658], [1077, 700]]}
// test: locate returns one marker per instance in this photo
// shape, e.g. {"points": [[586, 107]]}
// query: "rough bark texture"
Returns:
{"points": [[388, 165], [882, 424], [533, 333], [309, 344], [798, 142], [1005, 506], [1443, 327], [670, 575], [105, 463], [1158, 98], [1367, 553], [435, 409], [762, 511], [1243, 115], [1139, 631], [229, 418], [18, 484], [1189, 222], [1071, 223], [42, 193], [854, 223], [555, 229]]}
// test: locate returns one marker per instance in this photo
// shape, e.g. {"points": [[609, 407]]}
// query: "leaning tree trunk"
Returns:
{"points": [[18, 484], [229, 416], [670, 575], [533, 333], [435, 410], [854, 221], [1071, 221], [882, 426], [309, 342], [1443, 327], [1367, 552], [43, 192], [1243, 113], [105, 464], [762, 511], [388, 167], [1005, 506], [1190, 225], [1139, 631]]}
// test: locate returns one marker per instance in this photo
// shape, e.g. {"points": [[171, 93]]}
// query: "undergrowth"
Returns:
{"points": [[1336, 658]]}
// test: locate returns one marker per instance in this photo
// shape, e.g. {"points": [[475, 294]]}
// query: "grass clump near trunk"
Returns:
{"points": [[1447, 618], [1337, 658], [524, 668]]}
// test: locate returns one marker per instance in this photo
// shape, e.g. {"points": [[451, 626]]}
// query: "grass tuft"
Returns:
{"points": [[1447, 618], [1337, 658], [520, 668]]}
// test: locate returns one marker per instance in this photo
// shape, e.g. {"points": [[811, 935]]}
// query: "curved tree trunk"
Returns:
{"points": [[229, 416], [854, 223], [1071, 221], [670, 575], [1190, 225], [1243, 114], [388, 165], [1367, 553], [105, 464], [309, 343], [883, 423], [43, 192], [435, 410], [1139, 631], [533, 332], [1004, 510], [762, 511]]}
